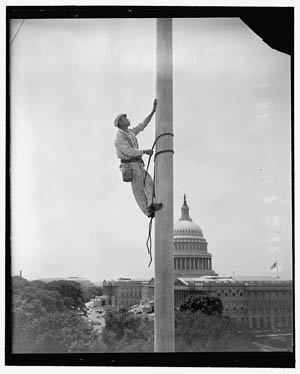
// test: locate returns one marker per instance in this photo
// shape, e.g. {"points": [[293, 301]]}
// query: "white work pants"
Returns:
{"points": [[143, 194]]}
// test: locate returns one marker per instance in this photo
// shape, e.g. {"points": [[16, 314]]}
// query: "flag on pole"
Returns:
{"points": [[274, 265]]}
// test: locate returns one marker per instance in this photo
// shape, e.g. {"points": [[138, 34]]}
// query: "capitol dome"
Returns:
{"points": [[185, 226], [191, 257]]}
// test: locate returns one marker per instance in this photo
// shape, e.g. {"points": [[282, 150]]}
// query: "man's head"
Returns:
{"points": [[122, 121]]}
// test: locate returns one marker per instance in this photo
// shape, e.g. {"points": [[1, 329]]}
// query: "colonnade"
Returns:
{"points": [[191, 263]]}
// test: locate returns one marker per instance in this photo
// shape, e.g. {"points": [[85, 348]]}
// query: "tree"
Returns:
{"points": [[196, 332], [124, 332], [206, 304], [70, 292], [57, 332], [45, 318], [18, 284], [89, 292]]}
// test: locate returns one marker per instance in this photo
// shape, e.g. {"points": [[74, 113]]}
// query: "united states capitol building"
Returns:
{"points": [[252, 302]]}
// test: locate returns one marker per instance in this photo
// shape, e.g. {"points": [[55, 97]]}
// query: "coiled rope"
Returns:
{"points": [[149, 239]]}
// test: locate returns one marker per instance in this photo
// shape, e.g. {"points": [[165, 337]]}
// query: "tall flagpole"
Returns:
{"points": [[164, 257]]}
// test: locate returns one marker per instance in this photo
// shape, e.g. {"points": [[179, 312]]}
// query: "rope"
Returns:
{"points": [[149, 239], [166, 150], [155, 141]]}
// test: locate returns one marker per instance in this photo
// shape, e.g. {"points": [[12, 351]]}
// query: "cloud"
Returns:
{"points": [[263, 109], [273, 249], [271, 221], [274, 239], [269, 199]]}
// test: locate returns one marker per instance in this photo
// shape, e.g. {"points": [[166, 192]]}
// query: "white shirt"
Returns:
{"points": [[126, 143]]}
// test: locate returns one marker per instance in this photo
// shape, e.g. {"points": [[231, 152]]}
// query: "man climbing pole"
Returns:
{"points": [[132, 165]]}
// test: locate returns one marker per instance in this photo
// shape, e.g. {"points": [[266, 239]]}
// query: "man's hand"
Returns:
{"points": [[148, 152], [154, 106]]}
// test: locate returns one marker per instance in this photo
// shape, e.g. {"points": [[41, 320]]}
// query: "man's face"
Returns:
{"points": [[124, 121]]}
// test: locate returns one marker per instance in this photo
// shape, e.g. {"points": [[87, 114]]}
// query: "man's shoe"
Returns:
{"points": [[153, 208]]}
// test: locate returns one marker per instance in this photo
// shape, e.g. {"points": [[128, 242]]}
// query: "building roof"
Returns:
{"points": [[230, 279], [126, 280]]}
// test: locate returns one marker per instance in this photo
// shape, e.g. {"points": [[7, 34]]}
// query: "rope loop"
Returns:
{"points": [[149, 239], [155, 141], [166, 150]]}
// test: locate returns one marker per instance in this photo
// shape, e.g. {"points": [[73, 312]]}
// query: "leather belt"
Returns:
{"points": [[136, 159]]}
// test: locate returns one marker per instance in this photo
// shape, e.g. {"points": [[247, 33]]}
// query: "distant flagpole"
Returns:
{"points": [[277, 267]]}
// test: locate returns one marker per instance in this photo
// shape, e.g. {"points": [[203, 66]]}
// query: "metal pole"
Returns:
{"points": [[164, 273]]}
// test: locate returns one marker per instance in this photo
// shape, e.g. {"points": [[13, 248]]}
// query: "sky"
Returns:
{"points": [[71, 213]]}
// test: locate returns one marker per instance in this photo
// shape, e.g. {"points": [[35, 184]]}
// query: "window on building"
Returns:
{"points": [[233, 293], [241, 293], [254, 322], [226, 294]]}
